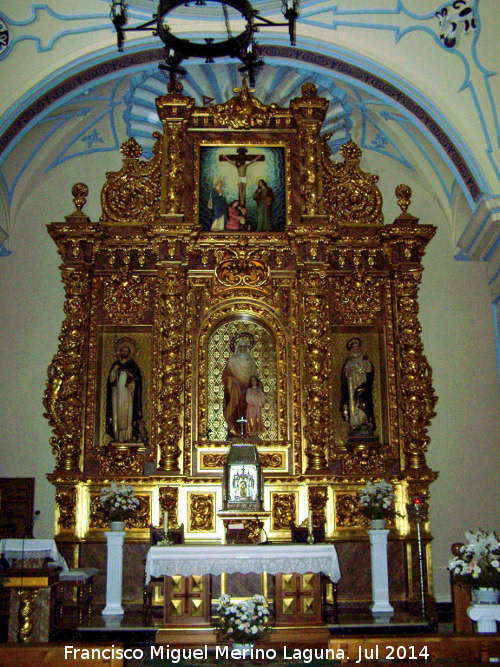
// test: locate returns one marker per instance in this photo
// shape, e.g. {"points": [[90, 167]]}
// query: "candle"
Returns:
{"points": [[165, 522], [310, 521]]}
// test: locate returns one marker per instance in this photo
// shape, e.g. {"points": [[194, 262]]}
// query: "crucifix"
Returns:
{"points": [[242, 161], [242, 421]]}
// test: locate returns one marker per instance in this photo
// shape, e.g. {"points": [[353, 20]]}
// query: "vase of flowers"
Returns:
{"points": [[119, 504], [477, 565], [243, 623], [378, 500]]}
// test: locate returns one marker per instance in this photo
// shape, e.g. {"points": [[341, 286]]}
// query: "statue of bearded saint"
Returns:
{"points": [[240, 367], [356, 403]]}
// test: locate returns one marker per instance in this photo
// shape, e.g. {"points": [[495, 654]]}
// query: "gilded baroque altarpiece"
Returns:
{"points": [[169, 280]]}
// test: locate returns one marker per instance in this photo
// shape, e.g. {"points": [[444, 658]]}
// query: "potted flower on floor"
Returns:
{"points": [[243, 623], [477, 566]]}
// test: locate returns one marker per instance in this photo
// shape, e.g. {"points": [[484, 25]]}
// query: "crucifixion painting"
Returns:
{"points": [[242, 188], [242, 161]]}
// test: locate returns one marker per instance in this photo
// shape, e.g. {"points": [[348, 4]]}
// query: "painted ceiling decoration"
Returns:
{"points": [[340, 47]]}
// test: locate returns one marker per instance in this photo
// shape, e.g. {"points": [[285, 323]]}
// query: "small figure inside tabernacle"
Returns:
{"points": [[356, 402], [124, 396], [256, 399]]}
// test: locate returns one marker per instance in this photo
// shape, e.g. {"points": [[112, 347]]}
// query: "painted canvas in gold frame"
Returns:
{"points": [[263, 184]]}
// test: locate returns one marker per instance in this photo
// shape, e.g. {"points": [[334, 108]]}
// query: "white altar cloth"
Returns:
{"points": [[31, 548], [244, 558]]}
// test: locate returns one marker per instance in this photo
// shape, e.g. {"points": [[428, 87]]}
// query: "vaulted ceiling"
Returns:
{"points": [[413, 104]]}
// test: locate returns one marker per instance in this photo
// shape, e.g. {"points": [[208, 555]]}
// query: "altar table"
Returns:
{"points": [[217, 559], [297, 567]]}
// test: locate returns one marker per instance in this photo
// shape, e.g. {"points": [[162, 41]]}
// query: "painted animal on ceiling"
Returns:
{"points": [[451, 17]]}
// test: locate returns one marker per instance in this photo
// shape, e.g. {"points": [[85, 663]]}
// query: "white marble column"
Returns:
{"points": [[114, 572], [380, 606], [485, 615]]}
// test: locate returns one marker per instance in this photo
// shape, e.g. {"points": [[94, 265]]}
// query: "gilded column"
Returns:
{"points": [[174, 111], [418, 398], [309, 112], [316, 371], [169, 365], [64, 394]]}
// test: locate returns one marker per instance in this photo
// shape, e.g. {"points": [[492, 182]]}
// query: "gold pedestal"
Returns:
{"points": [[27, 583]]}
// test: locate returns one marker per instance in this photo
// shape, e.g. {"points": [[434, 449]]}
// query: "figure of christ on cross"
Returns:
{"points": [[242, 161]]}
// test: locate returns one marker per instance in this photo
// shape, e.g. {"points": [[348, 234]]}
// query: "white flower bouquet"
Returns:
{"points": [[118, 502], [243, 622], [378, 500], [478, 564]]}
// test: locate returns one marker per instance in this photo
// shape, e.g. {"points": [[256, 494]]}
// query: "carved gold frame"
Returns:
{"points": [[233, 141], [249, 311]]}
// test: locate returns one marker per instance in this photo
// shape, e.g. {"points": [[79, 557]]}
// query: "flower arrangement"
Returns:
{"points": [[378, 500], [478, 564], [243, 622], [119, 502]]}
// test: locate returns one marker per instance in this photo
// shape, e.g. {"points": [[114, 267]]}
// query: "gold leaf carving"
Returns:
{"points": [[348, 513], [317, 371], [132, 195], [243, 111], [318, 497], [272, 460], [201, 512], [363, 462], [351, 196], [169, 502], [213, 460], [418, 396], [141, 518], [357, 299], [284, 510], [115, 461], [126, 298], [63, 398], [309, 113], [169, 352], [242, 267], [66, 502]]}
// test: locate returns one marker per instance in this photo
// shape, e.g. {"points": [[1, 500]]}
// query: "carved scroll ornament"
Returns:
{"points": [[132, 195], [351, 196], [358, 299], [284, 510], [201, 512], [126, 298], [243, 111], [242, 267]]}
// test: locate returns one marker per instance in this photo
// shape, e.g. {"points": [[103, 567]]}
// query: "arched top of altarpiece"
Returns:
{"points": [[166, 189]]}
